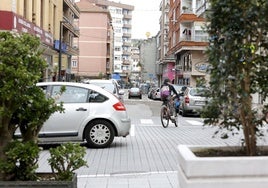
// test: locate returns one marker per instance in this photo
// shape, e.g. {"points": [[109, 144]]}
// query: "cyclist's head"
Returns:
{"points": [[166, 81]]}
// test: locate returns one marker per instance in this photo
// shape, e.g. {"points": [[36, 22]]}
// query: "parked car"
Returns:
{"points": [[92, 115], [151, 92], [179, 88], [134, 92], [110, 85], [156, 94], [193, 101]]}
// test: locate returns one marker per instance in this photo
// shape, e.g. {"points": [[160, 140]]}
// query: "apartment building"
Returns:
{"points": [[95, 42], [148, 55], [122, 24], [44, 19], [165, 64], [69, 32], [187, 42]]}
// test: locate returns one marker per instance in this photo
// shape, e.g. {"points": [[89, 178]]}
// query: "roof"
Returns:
{"points": [[86, 6]]}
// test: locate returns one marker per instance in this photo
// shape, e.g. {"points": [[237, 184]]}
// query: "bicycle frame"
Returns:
{"points": [[166, 112]]}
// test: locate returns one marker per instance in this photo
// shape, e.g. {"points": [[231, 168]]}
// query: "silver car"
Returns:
{"points": [[193, 101], [110, 85], [91, 114]]}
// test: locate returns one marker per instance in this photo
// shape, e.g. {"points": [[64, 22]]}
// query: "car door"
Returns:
{"points": [[76, 110]]}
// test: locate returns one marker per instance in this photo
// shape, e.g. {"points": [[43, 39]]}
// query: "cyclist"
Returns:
{"points": [[166, 90]]}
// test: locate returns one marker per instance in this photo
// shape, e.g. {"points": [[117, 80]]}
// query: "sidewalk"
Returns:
{"points": [[142, 180]]}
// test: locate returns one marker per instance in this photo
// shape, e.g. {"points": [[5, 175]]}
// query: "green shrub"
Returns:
{"points": [[21, 161], [65, 159]]}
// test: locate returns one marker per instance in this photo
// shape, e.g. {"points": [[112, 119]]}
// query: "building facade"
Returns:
{"points": [[187, 42], [165, 65], [122, 24], [95, 42], [43, 19], [148, 56]]}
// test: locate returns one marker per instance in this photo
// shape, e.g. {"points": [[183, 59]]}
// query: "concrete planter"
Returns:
{"points": [[40, 184], [220, 172]]}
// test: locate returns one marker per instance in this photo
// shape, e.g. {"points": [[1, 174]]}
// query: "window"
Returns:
{"points": [[117, 48], [117, 58], [96, 97], [74, 63], [70, 95], [118, 11], [118, 39]]}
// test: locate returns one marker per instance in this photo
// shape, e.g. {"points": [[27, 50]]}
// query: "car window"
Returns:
{"points": [[107, 86], [96, 97], [45, 90], [197, 92], [135, 89], [70, 95]]}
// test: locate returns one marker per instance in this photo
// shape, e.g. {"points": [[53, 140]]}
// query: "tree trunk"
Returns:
{"points": [[5, 139], [246, 115]]}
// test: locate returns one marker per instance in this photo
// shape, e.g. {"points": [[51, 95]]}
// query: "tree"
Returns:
{"points": [[237, 53], [23, 105]]}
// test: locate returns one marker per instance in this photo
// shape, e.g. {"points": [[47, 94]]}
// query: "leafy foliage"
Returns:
{"points": [[23, 105], [239, 64], [21, 161], [65, 159]]}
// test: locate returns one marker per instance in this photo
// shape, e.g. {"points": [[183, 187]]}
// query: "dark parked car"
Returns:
{"points": [[134, 92]]}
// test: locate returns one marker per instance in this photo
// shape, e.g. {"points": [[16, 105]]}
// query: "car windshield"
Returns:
{"points": [[197, 92], [107, 86], [134, 89]]}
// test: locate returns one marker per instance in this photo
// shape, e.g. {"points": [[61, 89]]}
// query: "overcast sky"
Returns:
{"points": [[145, 17]]}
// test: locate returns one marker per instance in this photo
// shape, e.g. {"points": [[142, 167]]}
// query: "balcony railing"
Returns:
{"points": [[194, 39], [202, 8]]}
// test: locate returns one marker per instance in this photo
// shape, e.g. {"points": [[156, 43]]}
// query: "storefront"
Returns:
{"points": [[18, 24]]}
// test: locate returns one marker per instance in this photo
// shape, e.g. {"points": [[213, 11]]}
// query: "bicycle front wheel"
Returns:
{"points": [[164, 116]]}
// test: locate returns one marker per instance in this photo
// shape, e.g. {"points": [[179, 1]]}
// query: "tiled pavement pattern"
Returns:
{"points": [[144, 159]]}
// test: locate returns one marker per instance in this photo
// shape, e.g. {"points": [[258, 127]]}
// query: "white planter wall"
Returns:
{"points": [[220, 172]]}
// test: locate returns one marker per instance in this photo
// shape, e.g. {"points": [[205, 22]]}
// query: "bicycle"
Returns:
{"points": [[165, 113]]}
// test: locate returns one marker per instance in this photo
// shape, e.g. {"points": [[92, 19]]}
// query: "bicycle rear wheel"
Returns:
{"points": [[164, 116]]}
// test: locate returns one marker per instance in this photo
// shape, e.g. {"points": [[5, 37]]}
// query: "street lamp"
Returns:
{"points": [[60, 50]]}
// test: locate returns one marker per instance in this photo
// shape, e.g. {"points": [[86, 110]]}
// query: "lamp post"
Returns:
{"points": [[60, 50]]}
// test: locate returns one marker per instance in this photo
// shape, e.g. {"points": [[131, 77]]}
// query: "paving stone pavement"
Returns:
{"points": [[144, 159]]}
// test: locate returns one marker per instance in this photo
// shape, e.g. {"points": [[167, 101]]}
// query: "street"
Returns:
{"points": [[147, 154]]}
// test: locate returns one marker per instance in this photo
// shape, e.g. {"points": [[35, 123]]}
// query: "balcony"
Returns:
{"points": [[72, 50], [127, 26], [126, 62], [128, 35], [202, 8], [127, 16], [69, 26], [127, 43], [127, 53], [71, 4]]}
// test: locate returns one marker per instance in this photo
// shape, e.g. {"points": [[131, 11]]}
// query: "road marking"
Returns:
{"points": [[132, 130], [147, 121], [193, 122]]}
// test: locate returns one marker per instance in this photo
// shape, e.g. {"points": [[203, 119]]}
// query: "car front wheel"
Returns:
{"points": [[99, 134]]}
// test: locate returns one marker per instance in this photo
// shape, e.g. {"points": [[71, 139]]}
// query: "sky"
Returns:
{"points": [[145, 17]]}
